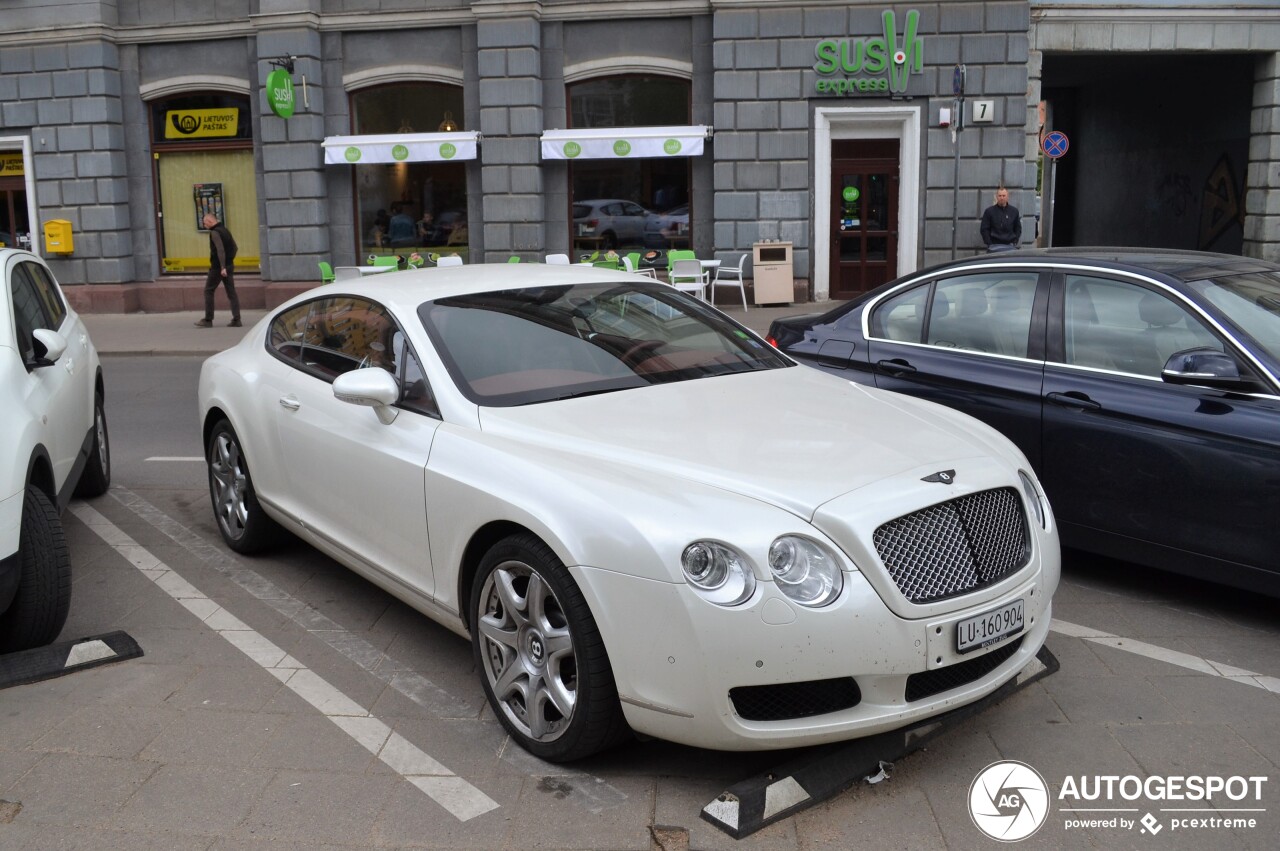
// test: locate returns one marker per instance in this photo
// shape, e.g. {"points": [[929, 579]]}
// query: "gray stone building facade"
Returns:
{"points": [[827, 127]]}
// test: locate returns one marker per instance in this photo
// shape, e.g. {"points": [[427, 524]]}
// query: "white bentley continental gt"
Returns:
{"points": [[643, 516]]}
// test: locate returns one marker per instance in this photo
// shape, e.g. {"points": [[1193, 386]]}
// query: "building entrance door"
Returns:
{"points": [[15, 230], [864, 214]]}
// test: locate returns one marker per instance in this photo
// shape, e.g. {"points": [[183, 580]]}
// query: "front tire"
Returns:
{"points": [[96, 477], [241, 520], [542, 661], [43, 599]]}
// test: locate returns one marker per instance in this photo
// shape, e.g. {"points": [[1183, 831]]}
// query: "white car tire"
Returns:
{"points": [[43, 599], [96, 477], [542, 661], [244, 526]]}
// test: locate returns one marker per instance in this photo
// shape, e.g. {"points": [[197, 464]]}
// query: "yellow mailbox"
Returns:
{"points": [[57, 237]]}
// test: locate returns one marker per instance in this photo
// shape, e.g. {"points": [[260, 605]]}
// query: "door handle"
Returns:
{"points": [[897, 366], [290, 402], [1074, 399]]}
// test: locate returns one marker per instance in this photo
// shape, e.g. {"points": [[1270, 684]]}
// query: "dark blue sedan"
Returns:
{"points": [[1142, 384]]}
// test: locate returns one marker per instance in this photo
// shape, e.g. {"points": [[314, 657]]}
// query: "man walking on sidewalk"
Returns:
{"points": [[222, 259]]}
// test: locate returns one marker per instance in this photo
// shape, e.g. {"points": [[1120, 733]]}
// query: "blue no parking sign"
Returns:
{"points": [[1055, 144]]}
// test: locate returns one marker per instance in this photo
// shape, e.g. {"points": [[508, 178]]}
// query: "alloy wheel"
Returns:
{"points": [[527, 651]]}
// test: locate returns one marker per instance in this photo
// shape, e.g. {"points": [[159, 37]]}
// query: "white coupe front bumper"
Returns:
{"points": [[676, 657]]}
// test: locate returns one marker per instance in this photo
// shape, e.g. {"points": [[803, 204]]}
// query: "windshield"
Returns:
{"points": [[523, 346], [1251, 302]]}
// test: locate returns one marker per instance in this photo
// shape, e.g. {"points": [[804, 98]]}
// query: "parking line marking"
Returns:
{"points": [[176, 458], [1173, 657], [455, 794], [597, 795], [411, 684]]}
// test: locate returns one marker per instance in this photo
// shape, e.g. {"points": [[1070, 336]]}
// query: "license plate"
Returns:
{"points": [[989, 627]]}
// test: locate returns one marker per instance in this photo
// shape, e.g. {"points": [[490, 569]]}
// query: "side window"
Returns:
{"points": [[285, 336], [28, 315], [989, 312], [346, 333], [54, 308], [415, 393], [901, 318], [1123, 327]]}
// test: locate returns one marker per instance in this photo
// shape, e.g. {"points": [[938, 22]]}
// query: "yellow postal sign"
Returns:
{"points": [[201, 123], [11, 165]]}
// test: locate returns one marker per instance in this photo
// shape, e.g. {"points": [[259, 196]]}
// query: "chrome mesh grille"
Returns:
{"points": [[955, 546]]}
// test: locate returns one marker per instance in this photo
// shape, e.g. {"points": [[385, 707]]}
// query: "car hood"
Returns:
{"points": [[795, 437]]}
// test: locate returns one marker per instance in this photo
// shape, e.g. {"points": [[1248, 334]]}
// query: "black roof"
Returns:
{"points": [[1187, 265]]}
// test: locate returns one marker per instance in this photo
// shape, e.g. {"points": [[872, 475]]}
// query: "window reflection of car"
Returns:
{"points": [[614, 221], [1142, 385], [589, 457], [660, 230]]}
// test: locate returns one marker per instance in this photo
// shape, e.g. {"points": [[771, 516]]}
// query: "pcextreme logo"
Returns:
{"points": [[882, 65]]}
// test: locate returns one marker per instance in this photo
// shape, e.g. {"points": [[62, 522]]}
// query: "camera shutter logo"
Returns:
{"points": [[1008, 801]]}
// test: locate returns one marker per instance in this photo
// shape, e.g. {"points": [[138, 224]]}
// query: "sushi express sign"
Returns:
{"points": [[879, 65]]}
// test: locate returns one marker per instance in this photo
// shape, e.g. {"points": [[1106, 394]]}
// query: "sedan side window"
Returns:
{"points": [[901, 318], [1123, 327], [990, 312]]}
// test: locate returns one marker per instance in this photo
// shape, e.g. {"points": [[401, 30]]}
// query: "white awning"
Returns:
{"points": [[401, 148], [611, 143]]}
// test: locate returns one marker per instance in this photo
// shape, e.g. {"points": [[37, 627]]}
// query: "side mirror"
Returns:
{"points": [[1206, 367], [49, 346], [372, 387]]}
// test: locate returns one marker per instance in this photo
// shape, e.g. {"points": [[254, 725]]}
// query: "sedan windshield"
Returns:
{"points": [[523, 346], [1251, 302]]}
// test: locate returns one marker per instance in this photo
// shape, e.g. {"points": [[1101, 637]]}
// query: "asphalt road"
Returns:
{"points": [[201, 744]]}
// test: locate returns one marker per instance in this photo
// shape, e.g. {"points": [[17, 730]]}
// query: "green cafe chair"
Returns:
{"points": [[514, 258], [678, 254], [326, 272], [386, 260]]}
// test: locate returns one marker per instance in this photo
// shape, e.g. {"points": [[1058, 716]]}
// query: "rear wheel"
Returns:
{"points": [[244, 525], [96, 477], [39, 608], [542, 660]]}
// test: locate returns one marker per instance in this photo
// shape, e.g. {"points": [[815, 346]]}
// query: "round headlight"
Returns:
{"points": [[805, 571], [717, 573], [1033, 497]]}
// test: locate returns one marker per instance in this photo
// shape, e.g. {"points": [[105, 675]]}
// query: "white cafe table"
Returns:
{"points": [[344, 273]]}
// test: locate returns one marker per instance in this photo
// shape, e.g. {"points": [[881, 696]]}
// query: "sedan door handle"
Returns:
{"points": [[897, 366], [1074, 400], [290, 402]]}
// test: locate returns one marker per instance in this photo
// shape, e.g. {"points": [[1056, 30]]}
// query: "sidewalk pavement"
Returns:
{"points": [[175, 333]]}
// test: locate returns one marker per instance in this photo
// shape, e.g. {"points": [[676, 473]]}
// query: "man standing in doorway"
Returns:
{"points": [[1001, 224], [222, 260]]}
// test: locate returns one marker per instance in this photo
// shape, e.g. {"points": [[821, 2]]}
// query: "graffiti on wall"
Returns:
{"points": [[1221, 204], [1221, 200]]}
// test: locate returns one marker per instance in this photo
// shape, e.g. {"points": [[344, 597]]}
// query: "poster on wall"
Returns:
{"points": [[208, 200]]}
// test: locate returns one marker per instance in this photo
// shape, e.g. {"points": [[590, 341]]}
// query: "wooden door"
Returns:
{"points": [[864, 215]]}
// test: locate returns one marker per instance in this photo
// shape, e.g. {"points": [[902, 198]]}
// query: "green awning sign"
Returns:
{"points": [[622, 147], [572, 149], [448, 150], [399, 153], [280, 93], [671, 147], [352, 154]]}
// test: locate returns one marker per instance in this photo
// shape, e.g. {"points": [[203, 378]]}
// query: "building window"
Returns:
{"points": [[410, 206], [203, 148], [633, 204]]}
